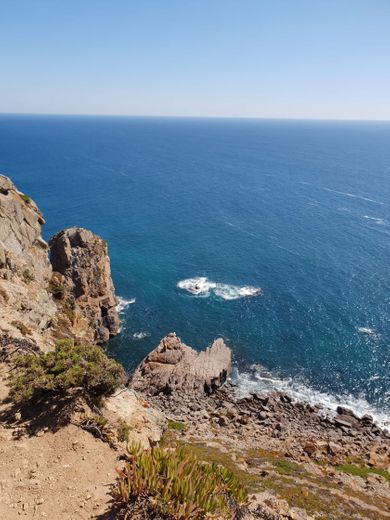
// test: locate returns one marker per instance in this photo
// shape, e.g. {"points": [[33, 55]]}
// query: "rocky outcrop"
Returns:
{"points": [[145, 425], [174, 368], [83, 286], [70, 295], [26, 307]]}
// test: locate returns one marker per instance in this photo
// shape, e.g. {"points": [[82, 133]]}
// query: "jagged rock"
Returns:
{"points": [[146, 424], [173, 368], [26, 307], [82, 280]]}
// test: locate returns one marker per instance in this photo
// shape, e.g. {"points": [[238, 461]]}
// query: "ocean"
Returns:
{"points": [[274, 235]]}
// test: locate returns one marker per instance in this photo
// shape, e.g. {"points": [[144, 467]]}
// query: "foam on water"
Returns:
{"points": [[202, 286], [260, 381], [377, 220], [140, 335], [123, 303]]}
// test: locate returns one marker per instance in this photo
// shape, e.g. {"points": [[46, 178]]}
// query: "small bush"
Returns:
{"points": [[123, 431], [57, 290], [176, 425], [28, 276], [178, 485], [69, 366]]}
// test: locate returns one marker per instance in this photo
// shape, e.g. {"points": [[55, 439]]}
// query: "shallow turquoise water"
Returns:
{"points": [[300, 209]]}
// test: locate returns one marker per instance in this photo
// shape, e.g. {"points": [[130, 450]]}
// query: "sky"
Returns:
{"points": [[326, 59]]}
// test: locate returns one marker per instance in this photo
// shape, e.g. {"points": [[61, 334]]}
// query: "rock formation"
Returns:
{"points": [[173, 367], [71, 296], [26, 307], [145, 424], [82, 283]]}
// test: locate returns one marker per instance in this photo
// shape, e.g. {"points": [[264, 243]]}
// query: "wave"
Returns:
{"points": [[354, 196], [260, 381], [140, 335], [377, 220], [202, 286], [123, 303]]}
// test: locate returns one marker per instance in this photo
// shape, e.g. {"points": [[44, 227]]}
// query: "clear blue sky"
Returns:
{"points": [[250, 58]]}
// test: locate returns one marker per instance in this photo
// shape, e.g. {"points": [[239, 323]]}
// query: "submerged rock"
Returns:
{"points": [[83, 284], [173, 368]]}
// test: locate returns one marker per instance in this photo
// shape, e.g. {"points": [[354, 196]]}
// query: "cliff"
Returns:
{"points": [[47, 294]]}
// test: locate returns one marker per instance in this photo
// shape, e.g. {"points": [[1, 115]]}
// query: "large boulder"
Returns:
{"points": [[173, 367], [83, 286], [145, 424]]}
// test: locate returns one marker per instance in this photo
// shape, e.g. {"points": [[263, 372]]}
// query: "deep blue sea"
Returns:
{"points": [[298, 209]]}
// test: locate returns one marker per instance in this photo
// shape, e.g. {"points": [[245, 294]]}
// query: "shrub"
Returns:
{"points": [[178, 484], [176, 425], [28, 276], [123, 431], [57, 290], [86, 368]]}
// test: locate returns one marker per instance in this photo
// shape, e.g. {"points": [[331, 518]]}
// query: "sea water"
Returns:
{"points": [[274, 235]]}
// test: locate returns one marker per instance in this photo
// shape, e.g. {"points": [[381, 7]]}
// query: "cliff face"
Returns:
{"points": [[26, 306], [83, 286], [71, 296]]}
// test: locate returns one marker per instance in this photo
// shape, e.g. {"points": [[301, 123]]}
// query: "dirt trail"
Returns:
{"points": [[63, 475]]}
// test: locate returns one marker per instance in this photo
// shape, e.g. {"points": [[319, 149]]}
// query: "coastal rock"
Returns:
{"points": [[26, 306], [145, 424], [174, 368], [83, 286]]}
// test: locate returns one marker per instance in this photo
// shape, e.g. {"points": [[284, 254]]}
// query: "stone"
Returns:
{"points": [[81, 268], [174, 368], [146, 424]]}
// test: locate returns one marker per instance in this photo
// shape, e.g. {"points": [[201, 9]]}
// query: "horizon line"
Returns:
{"points": [[158, 116]]}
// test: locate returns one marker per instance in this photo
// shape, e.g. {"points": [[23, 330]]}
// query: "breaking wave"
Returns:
{"points": [[123, 303], [202, 286], [377, 220], [259, 380], [140, 335]]}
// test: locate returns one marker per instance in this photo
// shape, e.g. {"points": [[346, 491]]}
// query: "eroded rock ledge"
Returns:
{"points": [[174, 368]]}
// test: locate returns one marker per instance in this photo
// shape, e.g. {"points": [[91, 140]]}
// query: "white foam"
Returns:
{"points": [[377, 220], [266, 383], [354, 196], [202, 286], [141, 335], [123, 303], [197, 286]]}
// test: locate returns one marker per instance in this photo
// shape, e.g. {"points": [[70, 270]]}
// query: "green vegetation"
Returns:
{"points": [[26, 198], [57, 290], [123, 431], [361, 471], [176, 425], [286, 467], [178, 484], [86, 368], [28, 276]]}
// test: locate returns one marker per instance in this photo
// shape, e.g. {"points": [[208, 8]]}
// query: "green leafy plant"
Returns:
{"points": [[86, 368], [123, 431], [176, 425], [178, 484]]}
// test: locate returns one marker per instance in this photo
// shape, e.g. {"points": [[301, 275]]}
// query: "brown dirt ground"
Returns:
{"points": [[58, 475]]}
